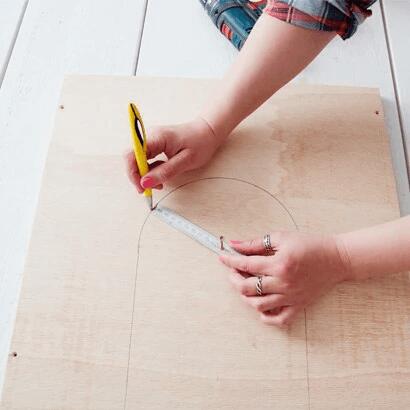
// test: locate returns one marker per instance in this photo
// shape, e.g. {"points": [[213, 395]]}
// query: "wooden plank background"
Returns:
{"points": [[11, 14], [50, 38], [397, 17]]}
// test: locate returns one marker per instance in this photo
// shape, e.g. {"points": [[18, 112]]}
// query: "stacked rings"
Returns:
{"points": [[267, 244], [258, 285]]}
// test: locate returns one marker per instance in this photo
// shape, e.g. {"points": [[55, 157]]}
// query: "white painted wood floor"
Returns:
{"points": [[41, 40]]}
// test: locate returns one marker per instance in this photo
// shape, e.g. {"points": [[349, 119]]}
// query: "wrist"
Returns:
{"points": [[221, 120], [347, 273], [217, 135]]}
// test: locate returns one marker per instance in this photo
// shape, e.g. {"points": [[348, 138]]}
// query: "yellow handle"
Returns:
{"points": [[139, 140]]}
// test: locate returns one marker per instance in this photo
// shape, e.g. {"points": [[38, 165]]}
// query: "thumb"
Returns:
{"points": [[251, 247], [164, 172], [156, 145], [162, 140], [258, 246]]}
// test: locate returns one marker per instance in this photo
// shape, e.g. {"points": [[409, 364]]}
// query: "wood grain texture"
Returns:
{"points": [[55, 38], [196, 345], [119, 311], [361, 61]]}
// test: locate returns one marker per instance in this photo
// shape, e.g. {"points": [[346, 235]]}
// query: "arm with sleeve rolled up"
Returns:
{"points": [[274, 53], [272, 56]]}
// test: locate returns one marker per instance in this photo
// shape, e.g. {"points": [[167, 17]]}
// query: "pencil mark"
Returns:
{"points": [[133, 309], [237, 180], [221, 241], [282, 205]]}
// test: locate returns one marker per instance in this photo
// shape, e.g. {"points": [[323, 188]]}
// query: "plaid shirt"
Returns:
{"points": [[341, 16]]}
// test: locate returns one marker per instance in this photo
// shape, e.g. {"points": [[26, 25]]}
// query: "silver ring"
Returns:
{"points": [[258, 285], [267, 244]]}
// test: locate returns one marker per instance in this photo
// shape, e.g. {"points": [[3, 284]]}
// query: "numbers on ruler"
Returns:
{"points": [[188, 228]]}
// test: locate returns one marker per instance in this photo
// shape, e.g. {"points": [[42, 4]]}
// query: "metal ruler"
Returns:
{"points": [[178, 222]]}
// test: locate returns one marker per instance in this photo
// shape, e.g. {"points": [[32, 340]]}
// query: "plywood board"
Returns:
{"points": [[119, 311], [55, 38]]}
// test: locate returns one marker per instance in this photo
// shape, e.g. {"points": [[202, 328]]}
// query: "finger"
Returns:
{"points": [[266, 303], [155, 144], [162, 141], [153, 165], [247, 286], [251, 247], [167, 170], [254, 265], [283, 319], [256, 246], [132, 170]]}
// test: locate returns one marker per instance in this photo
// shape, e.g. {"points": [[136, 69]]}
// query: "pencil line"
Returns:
{"points": [[237, 180], [139, 247], [133, 310]]}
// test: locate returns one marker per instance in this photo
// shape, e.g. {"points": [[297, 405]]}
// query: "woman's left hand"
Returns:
{"points": [[302, 268]]}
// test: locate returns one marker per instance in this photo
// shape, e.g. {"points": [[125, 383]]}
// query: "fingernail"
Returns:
{"points": [[235, 242], [147, 182]]}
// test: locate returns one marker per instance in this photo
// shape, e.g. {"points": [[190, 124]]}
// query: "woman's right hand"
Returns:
{"points": [[187, 146]]}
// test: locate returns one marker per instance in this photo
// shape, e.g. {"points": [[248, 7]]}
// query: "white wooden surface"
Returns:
{"points": [[397, 15], [103, 37], [188, 46], [11, 12], [56, 37]]}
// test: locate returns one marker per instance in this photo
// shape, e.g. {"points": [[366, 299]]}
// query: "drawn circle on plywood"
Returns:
{"points": [[230, 198], [190, 327]]}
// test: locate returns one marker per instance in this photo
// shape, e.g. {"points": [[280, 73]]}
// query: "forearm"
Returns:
{"points": [[274, 53], [378, 250]]}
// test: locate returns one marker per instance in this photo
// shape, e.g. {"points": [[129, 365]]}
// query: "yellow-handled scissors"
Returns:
{"points": [[139, 139]]}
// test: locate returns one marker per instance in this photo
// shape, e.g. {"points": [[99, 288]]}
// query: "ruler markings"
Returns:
{"points": [[193, 231]]}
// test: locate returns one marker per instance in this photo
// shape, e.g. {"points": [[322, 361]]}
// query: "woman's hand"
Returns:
{"points": [[302, 268], [187, 146]]}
